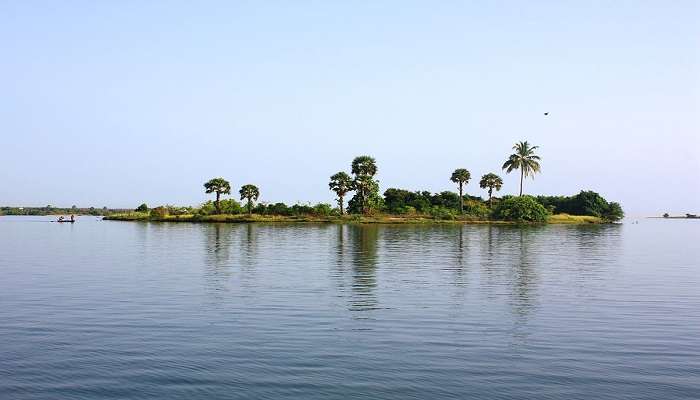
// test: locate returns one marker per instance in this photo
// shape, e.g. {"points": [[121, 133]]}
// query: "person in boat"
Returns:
{"points": [[60, 219], [72, 218]]}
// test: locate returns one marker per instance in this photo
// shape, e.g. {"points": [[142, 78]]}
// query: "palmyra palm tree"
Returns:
{"points": [[341, 183], [461, 177], [491, 181], [250, 193], [364, 168], [525, 160], [219, 186]]}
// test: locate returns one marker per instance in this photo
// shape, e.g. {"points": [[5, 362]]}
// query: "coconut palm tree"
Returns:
{"points": [[341, 183], [461, 177], [525, 160], [491, 181], [250, 193], [219, 186]]}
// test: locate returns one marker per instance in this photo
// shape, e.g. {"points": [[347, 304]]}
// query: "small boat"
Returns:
{"points": [[65, 220]]}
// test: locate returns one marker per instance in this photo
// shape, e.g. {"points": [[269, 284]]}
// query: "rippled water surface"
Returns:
{"points": [[107, 310]]}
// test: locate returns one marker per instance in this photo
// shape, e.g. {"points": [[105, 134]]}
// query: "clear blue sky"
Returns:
{"points": [[117, 103]]}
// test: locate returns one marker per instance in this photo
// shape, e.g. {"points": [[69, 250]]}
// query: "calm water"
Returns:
{"points": [[102, 310]]}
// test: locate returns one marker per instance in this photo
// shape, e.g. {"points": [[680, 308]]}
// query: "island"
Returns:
{"points": [[396, 206]]}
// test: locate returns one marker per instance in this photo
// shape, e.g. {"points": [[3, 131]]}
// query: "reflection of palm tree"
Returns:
{"points": [[364, 259], [524, 278], [249, 244], [217, 251]]}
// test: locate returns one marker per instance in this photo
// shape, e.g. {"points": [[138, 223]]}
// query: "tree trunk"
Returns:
{"points": [[218, 206], [340, 203], [490, 198], [522, 173], [461, 199], [250, 207]]}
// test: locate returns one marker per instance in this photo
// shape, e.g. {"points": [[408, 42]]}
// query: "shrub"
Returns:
{"points": [[207, 208], [442, 213], [322, 209], [231, 206], [476, 208], [613, 212], [521, 209], [159, 212], [142, 208], [301, 209], [279, 209]]}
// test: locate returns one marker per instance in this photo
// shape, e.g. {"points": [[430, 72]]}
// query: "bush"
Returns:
{"points": [[613, 212], [476, 208], [442, 213], [301, 209], [230, 206], [159, 212], [278, 209], [207, 208], [142, 208], [323, 209], [521, 209], [586, 202]]}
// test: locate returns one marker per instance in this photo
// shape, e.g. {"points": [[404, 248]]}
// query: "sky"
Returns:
{"points": [[118, 103]]}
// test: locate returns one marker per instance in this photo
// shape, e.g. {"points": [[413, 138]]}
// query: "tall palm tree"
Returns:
{"points": [[523, 159], [250, 193], [219, 186], [341, 183], [364, 168], [461, 177], [491, 181]]}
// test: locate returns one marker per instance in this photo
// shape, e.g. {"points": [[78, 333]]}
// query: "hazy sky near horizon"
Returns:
{"points": [[119, 103]]}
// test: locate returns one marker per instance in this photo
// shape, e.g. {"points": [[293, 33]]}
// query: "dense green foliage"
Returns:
{"points": [[400, 201], [520, 209], [523, 159], [584, 203], [366, 198], [142, 208]]}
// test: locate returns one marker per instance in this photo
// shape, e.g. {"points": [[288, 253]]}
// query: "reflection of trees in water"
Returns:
{"points": [[520, 259], [363, 255], [249, 245], [509, 260], [461, 256], [218, 239], [524, 278]]}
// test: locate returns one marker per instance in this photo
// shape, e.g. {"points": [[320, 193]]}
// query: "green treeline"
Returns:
{"points": [[51, 210], [362, 189]]}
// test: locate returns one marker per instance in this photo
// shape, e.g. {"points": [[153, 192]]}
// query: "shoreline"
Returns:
{"points": [[558, 219]]}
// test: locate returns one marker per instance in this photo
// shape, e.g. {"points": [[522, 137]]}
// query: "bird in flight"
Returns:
{"points": [[546, 113]]}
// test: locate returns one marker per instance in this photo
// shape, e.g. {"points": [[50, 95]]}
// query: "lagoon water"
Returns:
{"points": [[119, 310]]}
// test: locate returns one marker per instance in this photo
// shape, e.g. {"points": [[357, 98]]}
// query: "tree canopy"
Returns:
{"points": [[250, 193], [219, 186], [523, 159], [341, 183]]}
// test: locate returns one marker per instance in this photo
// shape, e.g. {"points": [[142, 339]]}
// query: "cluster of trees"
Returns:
{"points": [[364, 187], [584, 203], [220, 186]]}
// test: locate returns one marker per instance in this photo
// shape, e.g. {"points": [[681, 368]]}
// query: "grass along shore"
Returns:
{"points": [[360, 219]]}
